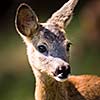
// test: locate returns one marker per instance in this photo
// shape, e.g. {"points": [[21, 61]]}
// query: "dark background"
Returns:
{"points": [[16, 78]]}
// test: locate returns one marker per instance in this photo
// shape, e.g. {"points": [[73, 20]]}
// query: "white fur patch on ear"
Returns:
{"points": [[26, 21]]}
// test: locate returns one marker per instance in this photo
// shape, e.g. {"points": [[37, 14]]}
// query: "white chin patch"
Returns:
{"points": [[61, 80]]}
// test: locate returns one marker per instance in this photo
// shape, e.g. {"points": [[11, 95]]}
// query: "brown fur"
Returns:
{"points": [[83, 87], [48, 54]]}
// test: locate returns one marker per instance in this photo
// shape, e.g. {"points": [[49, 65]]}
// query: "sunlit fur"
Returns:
{"points": [[52, 67]]}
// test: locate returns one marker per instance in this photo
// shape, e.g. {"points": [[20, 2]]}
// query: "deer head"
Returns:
{"points": [[47, 45]]}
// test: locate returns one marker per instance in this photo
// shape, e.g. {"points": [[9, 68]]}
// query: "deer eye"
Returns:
{"points": [[42, 48], [68, 46]]}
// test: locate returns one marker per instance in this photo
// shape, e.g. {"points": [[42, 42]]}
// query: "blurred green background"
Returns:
{"points": [[16, 78]]}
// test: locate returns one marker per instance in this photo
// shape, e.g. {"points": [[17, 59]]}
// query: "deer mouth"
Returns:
{"points": [[62, 74]]}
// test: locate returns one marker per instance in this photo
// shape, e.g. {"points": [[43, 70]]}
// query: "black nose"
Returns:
{"points": [[62, 72]]}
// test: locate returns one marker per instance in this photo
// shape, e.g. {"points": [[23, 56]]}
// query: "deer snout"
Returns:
{"points": [[62, 72]]}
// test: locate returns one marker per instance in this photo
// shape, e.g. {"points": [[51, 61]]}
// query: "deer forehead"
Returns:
{"points": [[49, 34]]}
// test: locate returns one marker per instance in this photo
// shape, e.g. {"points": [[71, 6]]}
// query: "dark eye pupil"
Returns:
{"points": [[68, 46], [42, 48]]}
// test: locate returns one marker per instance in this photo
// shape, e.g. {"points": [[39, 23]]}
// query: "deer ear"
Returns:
{"points": [[26, 21]]}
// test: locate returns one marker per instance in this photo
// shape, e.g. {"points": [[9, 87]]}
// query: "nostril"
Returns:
{"points": [[63, 68], [62, 72]]}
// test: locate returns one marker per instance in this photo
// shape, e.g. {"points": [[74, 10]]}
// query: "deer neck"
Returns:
{"points": [[49, 89]]}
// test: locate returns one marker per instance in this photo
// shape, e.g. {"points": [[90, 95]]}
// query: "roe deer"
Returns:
{"points": [[48, 54]]}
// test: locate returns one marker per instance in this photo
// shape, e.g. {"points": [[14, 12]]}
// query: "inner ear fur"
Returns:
{"points": [[26, 21]]}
